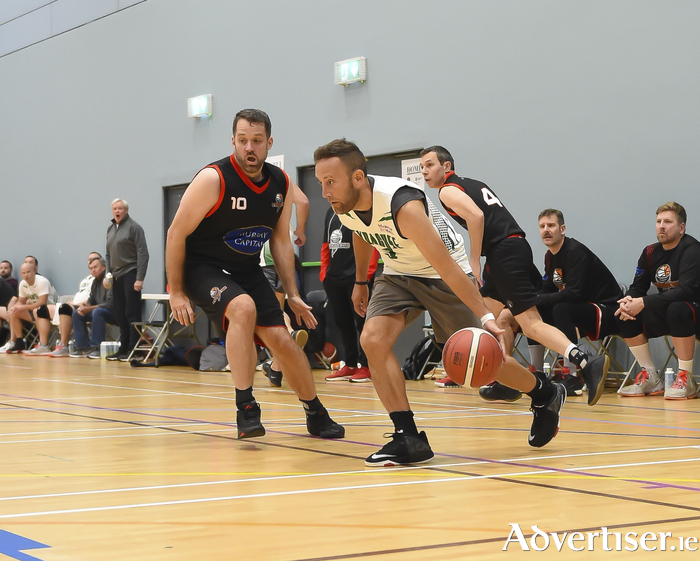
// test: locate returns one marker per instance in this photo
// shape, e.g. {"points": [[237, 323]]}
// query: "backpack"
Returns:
{"points": [[213, 358], [426, 350]]}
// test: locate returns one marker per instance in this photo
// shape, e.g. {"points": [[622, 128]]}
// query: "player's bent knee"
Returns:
{"points": [[241, 308]]}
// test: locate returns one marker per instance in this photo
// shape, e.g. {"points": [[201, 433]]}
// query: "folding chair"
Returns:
{"points": [[153, 333]]}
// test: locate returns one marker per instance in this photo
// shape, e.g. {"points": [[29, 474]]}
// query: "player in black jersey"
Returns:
{"points": [[213, 260], [673, 266], [579, 293], [510, 276]]}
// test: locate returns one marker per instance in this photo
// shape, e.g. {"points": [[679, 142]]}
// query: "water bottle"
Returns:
{"points": [[108, 278], [547, 368], [71, 346], [670, 377]]}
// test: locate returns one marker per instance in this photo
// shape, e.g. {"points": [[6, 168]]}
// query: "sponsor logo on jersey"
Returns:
{"points": [[558, 279], [248, 241], [216, 293], [336, 242], [279, 202]]}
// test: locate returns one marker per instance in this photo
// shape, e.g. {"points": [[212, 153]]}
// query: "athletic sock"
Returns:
{"points": [[537, 356], [543, 390], [643, 356], [686, 365], [403, 422], [312, 406], [243, 397], [576, 355]]}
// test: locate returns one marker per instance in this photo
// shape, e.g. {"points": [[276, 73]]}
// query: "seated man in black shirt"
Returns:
{"points": [[579, 295], [673, 266]]}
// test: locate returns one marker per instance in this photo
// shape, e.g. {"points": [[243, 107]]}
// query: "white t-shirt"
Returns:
{"points": [[400, 255], [41, 286], [84, 290]]}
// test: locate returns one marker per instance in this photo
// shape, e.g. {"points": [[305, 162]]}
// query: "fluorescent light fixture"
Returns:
{"points": [[200, 106], [350, 70]]}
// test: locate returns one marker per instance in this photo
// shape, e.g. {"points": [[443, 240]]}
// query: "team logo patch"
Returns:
{"points": [[248, 241], [216, 293], [558, 279], [336, 242], [663, 274], [279, 202], [509, 303]]}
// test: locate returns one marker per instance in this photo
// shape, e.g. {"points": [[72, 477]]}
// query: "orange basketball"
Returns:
{"points": [[473, 357]]}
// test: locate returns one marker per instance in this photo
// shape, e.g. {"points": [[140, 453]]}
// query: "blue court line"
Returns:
{"points": [[12, 545]]}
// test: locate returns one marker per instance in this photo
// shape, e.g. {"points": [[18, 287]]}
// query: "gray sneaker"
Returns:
{"points": [[80, 353], [59, 352], [38, 351], [94, 354], [644, 384]]}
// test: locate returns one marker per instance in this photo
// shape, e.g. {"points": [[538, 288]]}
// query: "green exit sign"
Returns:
{"points": [[350, 70]]}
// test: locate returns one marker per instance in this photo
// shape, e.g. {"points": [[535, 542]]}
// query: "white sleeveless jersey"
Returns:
{"points": [[400, 255]]}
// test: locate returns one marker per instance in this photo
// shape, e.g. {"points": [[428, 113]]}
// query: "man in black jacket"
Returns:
{"points": [[579, 294], [673, 266]]}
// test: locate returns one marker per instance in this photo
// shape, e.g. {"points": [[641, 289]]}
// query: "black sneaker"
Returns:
{"points": [[319, 423], [403, 449], [545, 425], [594, 374], [17, 347], [275, 376], [572, 383], [248, 421], [118, 356], [498, 392]]}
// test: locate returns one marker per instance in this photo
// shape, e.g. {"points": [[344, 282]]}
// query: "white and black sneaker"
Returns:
{"points": [[404, 449], [545, 425]]}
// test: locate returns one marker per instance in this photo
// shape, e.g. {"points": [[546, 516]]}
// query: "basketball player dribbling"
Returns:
{"points": [[425, 268]]}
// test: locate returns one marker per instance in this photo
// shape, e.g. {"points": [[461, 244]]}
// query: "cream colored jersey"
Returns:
{"points": [[400, 255]]}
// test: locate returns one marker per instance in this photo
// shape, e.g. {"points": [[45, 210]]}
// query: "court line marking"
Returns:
{"points": [[364, 472]]}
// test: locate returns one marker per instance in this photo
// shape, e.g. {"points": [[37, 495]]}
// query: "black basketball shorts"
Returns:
{"points": [[510, 276], [212, 288]]}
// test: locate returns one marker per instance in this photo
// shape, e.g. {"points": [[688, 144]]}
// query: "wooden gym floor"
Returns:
{"points": [[104, 462]]}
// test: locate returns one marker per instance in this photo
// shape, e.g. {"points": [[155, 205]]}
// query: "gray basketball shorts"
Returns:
{"points": [[395, 294]]}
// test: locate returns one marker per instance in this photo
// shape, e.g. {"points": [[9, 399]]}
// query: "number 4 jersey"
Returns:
{"points": [[499, 224], [400, 255]]}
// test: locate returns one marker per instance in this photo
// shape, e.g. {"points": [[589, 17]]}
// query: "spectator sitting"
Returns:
{"points": [[673, 266], [6, 275], [35, 303], [92, 303]]}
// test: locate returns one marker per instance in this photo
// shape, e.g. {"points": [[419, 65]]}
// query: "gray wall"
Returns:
{"points": [[589, 106]]}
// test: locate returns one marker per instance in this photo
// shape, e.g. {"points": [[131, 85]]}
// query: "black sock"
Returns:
{"points": [[312, 406], [403, 422], [244, 396], [578, 357], [543, 389]]}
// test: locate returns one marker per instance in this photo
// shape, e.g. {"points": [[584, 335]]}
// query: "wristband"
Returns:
{"points": [[487, 317], [363, 283]]}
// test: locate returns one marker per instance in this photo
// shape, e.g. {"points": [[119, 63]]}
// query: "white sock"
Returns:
{"points": [[537, 356], [643, 356], [686, 365]]}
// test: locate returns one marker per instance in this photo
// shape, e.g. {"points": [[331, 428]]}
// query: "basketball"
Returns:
{"points": [[473, 357], [327, 355]]}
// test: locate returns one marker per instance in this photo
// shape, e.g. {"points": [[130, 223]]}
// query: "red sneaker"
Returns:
{"points": [[362, 375], [345, 373]]}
